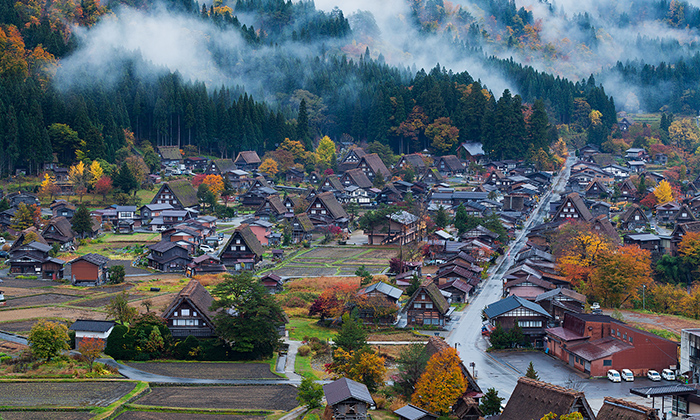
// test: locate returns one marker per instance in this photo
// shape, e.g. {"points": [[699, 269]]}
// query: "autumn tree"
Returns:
{"points": [[619, 275], [442, 134], [363, 365], [684, 134], [23, 218], [441, 384], [215, 184], [689, 251], [269, 166], [79, 177], [90, 349], [663, 192], [96, 173], [48, 186], [104, 187], [48, 339], [326, 305], [294, 147], [325, 152]]}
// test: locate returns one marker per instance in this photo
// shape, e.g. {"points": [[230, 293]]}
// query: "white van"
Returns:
{"points": [[627, 375], [614, 375], [668, 375]]}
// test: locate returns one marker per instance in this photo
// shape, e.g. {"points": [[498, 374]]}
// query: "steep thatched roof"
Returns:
{"points": [[618, 409], [184, 192], [195, 294], [533, 399], [169, 153]]}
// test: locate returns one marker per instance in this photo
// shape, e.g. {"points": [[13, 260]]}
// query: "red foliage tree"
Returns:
{"points": [[649, 201], [197, 180], [104, 186], [328, 171]]}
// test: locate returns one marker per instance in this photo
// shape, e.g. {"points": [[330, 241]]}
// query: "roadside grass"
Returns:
{"points": [[165, 285], [383, 415], [306, 327], [669, 335], [109, 411], [302, 366], [227, 411]]}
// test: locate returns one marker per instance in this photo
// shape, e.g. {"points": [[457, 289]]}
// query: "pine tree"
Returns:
{"points": [[125, 180], [81, 221], [303, 134], [491, 403], [441, 218], [531, 372], [352, 335]]}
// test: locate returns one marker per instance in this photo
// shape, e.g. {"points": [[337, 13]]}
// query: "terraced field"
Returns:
{"points": [[264, 397], [62, 394], [336, 261]]}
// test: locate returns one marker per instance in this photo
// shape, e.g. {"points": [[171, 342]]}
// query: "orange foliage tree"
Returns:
{"points": [[90, 349], [619, 275], [215, 183], [363, 365], [577, 249], [441, 383]]}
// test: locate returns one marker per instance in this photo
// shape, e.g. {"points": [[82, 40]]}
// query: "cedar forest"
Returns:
{"points": [[407, 110]]}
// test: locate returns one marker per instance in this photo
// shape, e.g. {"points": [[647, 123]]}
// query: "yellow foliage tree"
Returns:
{"points": [[294, 147], [79, 177], [325, 151], [48, 186], [580, 256], [215, 183], [441, 383], [363, 366], [684, 134], [269, 166], [620, 275], [595, 117], [663, 192], [96, 172]]}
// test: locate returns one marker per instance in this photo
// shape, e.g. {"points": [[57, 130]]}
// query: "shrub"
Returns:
{"points": [[380, 402], [188, 348], [71, 339], [142, 357], [304, 351], [293, 301], [119, 346], [305, 244]]}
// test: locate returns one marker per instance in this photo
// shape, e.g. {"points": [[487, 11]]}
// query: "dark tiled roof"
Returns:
{"points": [[384, 288], [597, 349], [566, 292], [169, 152], [334, 181], [512, 302], [62, 225], [533, 399], [92, 325], [95, 259], [433, 292], [411, 412], [163, 246], [343, 389], [415, 160]]}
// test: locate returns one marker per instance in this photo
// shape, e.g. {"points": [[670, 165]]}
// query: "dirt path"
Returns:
{"points": [[665, 322]]}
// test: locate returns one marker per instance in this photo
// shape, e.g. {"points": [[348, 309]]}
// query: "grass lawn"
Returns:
{"points": [[301, 327], [166, 285], [383, 415], [302, 366], [146, 196]]}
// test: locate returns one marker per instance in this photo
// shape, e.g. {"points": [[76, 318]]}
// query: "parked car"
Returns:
{"points": [[668, 374], [4, 254], [653, 375], [627, 375], [207, 249], [595, 305], [2, 240], [614, 375]]}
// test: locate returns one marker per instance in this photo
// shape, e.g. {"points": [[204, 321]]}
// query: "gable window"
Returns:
{"points": [[185, 312]]}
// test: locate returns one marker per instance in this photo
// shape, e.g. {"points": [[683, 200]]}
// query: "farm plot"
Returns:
{"points": [[203, 370], [102, 301], [24, 326], [161, 415], [28, 284], [47, 415], [335, 261], [62, 394], [46, 299], [329, 254], [264, 397]]}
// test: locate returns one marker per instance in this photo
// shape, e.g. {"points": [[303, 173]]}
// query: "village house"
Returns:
{"points": [[28, 199], [594, 344], [86, 329], [530, 317], [432, 176], [302, 228], [597, 190], [427, 306], [382, 297], [647, 241], [205, 264], [62, 208], [33, 259], [272, 282], [247, 160], [168, 257], [573, 207], [619, 409], [413, 161], [458, 289], [220, 167], [411, 412], [89, 270], [195, 163], [534, 399], [351, 159], [262, 230], [449, 165], [325, 210], [372, 165], [348, 400], [169, 155], [633, 218], [271, 208], [666, 212], [355, 177], [679, 231], [402, 228], [179, 193], [59, 231], [189, 313], [242, 251], [294, 175], [561, 300]]}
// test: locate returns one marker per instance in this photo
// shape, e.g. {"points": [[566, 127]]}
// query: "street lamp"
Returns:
{"points": [[644, 300], [473, 365]]}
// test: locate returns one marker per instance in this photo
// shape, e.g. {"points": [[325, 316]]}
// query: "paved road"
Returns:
{"points": [[495, 372]]}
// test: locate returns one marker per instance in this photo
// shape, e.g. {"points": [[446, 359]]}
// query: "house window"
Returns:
{"points": [[530, 324], [636, 217], [607, 362], [429, 305], [631, 340], [185, 312], [422, 297], [417, 306], [238, 241], [612, 331]]}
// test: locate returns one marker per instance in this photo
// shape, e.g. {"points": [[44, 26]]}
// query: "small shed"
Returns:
{"points": [[347, 399], [411, 412], [91, 328], [272, 282]]}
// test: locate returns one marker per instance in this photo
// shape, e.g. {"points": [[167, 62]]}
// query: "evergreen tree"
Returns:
{"points": [[531, 372], [81, 221], [352, 335], [490, 403], [125, 180], [538, 127], [4, 204], [378, 181], [441, 217], [303, 132]]}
